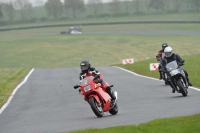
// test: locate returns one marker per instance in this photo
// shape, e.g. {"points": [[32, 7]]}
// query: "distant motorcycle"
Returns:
{"points": [[177, 77], [98, 99]]}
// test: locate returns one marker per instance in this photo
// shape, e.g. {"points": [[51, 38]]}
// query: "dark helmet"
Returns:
{"points": [[85, 66], [164, 45]]}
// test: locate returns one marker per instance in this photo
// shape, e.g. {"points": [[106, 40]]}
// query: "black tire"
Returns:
{"points": [[97, 111], [114, 110], [182, 89]]}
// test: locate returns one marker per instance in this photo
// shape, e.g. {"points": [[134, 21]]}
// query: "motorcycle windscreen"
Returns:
{"points": [[86, 80], [171, 66]]}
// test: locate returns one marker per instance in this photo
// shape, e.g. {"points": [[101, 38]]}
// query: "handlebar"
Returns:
{"points": [[181, 64], [96, 76], [76, 86]]}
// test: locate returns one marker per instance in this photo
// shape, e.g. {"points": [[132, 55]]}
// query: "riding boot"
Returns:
{"points": [[110, 92], [189, 83], [186, 74], [161, 76]]}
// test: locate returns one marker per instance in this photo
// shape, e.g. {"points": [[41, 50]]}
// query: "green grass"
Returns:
{"points": [[102, 50], [187, 124], [9, 79]]}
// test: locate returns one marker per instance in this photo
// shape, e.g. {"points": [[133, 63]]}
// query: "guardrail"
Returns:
{"points": [[103, 23]]}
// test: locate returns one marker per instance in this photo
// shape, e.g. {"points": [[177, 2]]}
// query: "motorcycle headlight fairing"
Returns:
{"points": [[87, 88], [174, 72]]}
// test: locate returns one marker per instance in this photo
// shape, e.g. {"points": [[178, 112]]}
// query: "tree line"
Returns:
{"points": [[55, 9]]}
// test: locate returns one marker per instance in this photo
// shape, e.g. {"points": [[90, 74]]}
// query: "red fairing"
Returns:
{"points": [[90, 89]]}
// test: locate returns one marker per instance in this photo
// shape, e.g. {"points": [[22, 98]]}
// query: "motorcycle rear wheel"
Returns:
{"points": [[182, 89], [98, 111]]}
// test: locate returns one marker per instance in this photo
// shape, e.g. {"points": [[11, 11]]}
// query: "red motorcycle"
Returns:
{"points": [[99, 100]]}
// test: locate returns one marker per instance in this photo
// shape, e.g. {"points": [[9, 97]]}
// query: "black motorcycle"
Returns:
{"points": [[177, 77]]}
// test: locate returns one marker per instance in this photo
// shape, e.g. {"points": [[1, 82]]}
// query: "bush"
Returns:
{"points": [[43, 19]]}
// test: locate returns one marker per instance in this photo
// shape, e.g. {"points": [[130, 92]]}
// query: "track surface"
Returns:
{"points": [[146, 32], [47, 102], [137, 32]]}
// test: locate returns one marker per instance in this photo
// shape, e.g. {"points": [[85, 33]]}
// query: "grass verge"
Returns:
{"points": [[102, 50], [186, 124], [9, 79]]}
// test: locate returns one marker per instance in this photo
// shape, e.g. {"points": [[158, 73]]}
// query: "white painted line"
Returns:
{"points": [[15, 90], [197, 89]]}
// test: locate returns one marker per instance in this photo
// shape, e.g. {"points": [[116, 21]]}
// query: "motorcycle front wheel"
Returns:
{"points": [[114, 110], [182, 88], [98, 111]]}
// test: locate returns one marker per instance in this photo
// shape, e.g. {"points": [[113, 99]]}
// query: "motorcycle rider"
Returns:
{"points": [[87, 70], [159, 58], [169, 57]]}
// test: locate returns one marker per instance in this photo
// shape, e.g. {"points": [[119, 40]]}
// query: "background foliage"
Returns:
{"points": [[22, 11]]}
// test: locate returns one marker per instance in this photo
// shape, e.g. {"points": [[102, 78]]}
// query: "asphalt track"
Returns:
{"points": [[115, 32], [47, 102], [146, 32]]}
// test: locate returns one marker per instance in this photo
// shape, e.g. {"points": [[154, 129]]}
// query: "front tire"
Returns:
{"points": [[114, 110], [182, 88], [98, 111]]}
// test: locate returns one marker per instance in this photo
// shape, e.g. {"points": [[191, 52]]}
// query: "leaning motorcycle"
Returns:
{"points": [[177, 77], [98, 99]]}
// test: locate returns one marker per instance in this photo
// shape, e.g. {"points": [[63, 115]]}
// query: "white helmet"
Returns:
{"points": [[168, 51]]}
